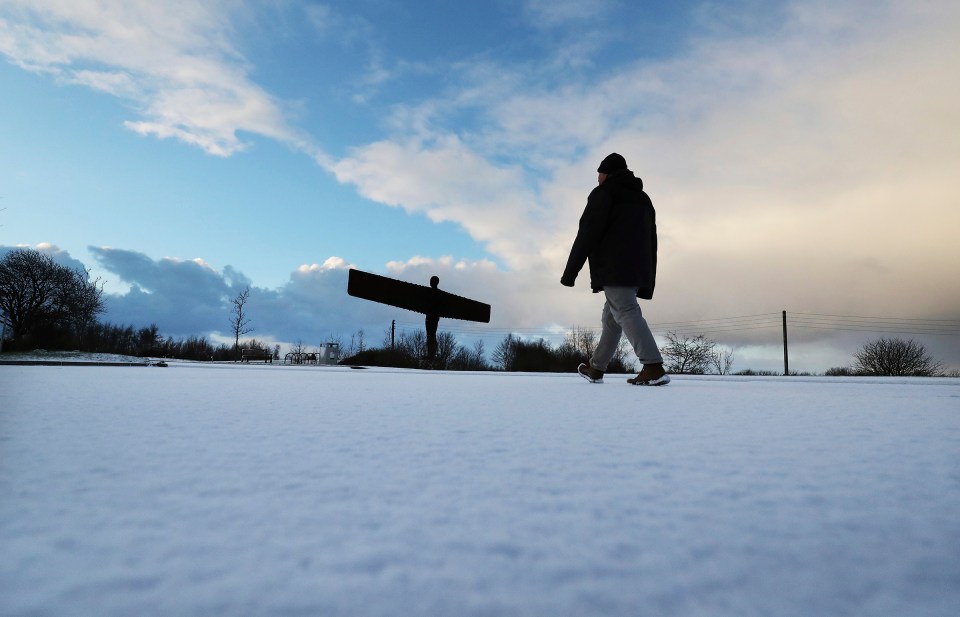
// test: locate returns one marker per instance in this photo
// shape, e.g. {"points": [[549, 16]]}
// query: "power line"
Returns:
{"points": [[764, 326], [881, 325], [743, 318], [892, 325], [890, 330], [951, 321]]}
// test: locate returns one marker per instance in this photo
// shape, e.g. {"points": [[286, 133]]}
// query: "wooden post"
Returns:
{"points": [[786, 358]]}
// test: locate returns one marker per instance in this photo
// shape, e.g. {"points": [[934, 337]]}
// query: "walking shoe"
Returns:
{"points": [[651, 375], [589, 373]]}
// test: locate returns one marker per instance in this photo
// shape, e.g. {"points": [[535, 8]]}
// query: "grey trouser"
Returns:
{"points": [[621, 315]]}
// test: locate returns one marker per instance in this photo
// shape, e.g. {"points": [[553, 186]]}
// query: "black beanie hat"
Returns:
{"points": [[613, 162]]}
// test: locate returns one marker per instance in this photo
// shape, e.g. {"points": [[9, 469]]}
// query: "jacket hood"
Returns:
{"points": [[625, 177]]}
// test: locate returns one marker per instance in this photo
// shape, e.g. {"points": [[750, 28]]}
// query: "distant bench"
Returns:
{"points": [[246, 355]]}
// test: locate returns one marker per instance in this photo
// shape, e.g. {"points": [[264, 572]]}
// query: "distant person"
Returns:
{"points": [[618, 236]]}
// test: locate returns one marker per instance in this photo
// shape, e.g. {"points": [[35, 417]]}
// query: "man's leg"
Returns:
{"points": [[609, 339], [623, 307]]}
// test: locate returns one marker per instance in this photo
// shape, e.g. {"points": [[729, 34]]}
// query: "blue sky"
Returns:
{"points": [[800, 155]]}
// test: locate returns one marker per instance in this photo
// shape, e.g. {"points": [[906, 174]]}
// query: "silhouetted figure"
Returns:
{"points": [[432, 321], [431, 301]]}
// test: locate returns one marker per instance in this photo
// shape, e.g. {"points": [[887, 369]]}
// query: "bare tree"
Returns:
{"points": [[37, 294], [28, 287], [478, 357], [85, 300], [446, 349], [722, 361], [357, 343], [686, 354], [469, 359], [239, 321], [582, 340], [414, 345], [505, 353], [896, 357]]}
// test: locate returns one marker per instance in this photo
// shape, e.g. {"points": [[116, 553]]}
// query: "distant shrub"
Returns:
{"points": [[691, 355], [752, 373], [897, 357], [383, 357], [841, 371]]}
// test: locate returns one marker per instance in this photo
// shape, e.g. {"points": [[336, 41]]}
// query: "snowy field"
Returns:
{"points": [[220, 490]]}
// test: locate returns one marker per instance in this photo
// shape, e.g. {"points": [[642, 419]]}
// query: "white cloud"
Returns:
{"points": [[422, 268], [331, 263], [447, 181], [173, 60]]}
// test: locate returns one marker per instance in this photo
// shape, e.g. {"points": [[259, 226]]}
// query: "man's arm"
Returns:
{"points": [[593, 223]]}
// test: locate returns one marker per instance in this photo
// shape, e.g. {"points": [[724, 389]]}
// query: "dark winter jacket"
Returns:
{"points": [[618, 235]]}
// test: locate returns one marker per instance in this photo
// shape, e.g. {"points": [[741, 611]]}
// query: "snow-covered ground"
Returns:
{"points": [[209, 490]]}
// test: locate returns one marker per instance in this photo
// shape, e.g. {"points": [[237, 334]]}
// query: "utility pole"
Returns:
{"points": [[786, 359], [393, 332]]}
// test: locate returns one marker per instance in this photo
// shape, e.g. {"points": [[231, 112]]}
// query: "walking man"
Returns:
{"points": [[618, 236]]}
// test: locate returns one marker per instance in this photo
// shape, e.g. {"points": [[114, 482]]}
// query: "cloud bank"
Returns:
{"points": [[188, 297]]}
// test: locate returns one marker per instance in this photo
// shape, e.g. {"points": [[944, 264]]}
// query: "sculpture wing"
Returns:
{"points": [[417, 298]]}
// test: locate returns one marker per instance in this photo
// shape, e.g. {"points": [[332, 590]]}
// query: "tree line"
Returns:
{"points": [[692, 355], [683, 355], [409, 350], [149, 342]]}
